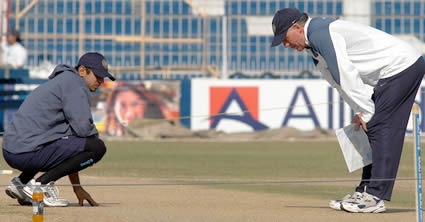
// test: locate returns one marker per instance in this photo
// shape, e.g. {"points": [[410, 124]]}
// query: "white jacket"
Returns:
{"points": [[13, 55], [352, 57]]}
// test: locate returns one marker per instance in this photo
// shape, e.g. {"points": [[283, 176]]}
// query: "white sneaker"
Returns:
{"points": [[51, 194], [367, 203], [15, 191], [336, 204]]}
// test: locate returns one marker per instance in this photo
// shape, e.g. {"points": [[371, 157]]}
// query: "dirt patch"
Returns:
{"points": [[186, 203]]}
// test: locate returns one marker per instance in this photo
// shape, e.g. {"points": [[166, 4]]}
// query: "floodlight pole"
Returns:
{"points": [[224, 47], [82, 29], [142, 43]]}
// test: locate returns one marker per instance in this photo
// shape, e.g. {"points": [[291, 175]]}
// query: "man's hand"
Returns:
{"points": [[79, 191], [357, 119], [83, 195]]}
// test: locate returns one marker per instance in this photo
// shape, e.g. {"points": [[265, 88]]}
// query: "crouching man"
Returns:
{"points": [[53, 132]]}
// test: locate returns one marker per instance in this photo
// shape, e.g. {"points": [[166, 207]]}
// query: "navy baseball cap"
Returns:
{"points": [[96, 62], [282, 21]]}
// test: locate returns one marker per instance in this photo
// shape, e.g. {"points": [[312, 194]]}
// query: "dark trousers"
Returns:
{"points": [[393, 98], [57, 159]]}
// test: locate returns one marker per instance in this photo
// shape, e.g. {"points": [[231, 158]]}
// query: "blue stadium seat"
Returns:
{"points": [[19, 73]]}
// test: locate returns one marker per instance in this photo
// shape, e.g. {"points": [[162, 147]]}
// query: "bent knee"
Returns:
{"points": [[97, 147]]}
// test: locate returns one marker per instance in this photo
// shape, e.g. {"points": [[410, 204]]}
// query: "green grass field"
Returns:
{"points": [[171, 162]]}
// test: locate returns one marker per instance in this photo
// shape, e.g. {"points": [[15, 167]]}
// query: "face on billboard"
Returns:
{"points": [[129, 106]]}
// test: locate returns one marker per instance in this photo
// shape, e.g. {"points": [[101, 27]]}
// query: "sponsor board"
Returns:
{"points": [[250, 105]]}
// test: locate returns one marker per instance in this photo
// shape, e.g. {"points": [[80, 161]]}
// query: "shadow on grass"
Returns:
{"points": [[391, 210], [400, 210], [309, 207], [88, 205]]}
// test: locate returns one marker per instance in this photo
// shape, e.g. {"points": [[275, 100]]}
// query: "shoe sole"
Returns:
{"points": [[24, 202], [13, 195], [356, 210], [55, 205]]}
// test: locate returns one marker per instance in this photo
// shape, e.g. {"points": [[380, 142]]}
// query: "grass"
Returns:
{"points": [[245, 161], [255, 161]]}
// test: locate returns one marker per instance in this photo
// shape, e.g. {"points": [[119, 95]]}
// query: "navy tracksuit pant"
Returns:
{"points": [[393, 98]]}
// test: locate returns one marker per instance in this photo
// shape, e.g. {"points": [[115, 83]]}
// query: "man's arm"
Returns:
{"points": [[76, 107], [79, 191], [345, 76]]}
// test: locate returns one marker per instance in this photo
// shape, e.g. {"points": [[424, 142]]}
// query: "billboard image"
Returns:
{"points": [[119, 104]]}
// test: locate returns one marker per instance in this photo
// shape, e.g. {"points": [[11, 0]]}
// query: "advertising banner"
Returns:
{"points": [[250, 105]]}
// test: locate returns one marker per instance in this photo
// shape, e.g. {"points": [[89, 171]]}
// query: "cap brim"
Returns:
{"points": [[111, 77], [103, 73], [278, 39]]}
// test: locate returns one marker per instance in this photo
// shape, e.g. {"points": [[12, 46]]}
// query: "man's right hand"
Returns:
{"points": [[83, 195], [79, 191], [357, 119]]}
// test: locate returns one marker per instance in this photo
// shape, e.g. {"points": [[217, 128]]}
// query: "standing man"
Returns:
{"points": [[351, 56], [53, 132], [14, 55]]}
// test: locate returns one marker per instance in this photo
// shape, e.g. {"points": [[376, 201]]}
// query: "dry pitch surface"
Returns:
{"points": [[187, 203]]}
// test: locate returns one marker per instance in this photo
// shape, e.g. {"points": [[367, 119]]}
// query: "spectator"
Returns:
{"points": [[14, 55]]}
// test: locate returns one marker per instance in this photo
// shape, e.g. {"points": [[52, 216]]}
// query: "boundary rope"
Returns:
{"points": [[231, 113], [199, 183]]}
